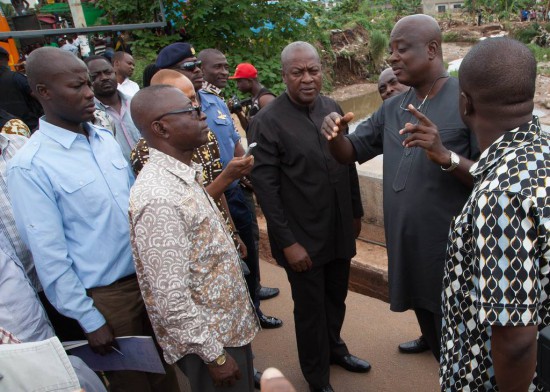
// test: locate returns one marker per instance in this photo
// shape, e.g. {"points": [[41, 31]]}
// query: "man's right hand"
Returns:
{"points": [[238, 167], [297, 258], [225, 375], [102, 340], [334, 124]]}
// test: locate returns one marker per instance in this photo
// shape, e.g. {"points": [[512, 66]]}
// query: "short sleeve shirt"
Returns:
{"points": [[420, 199], [497, 267]]}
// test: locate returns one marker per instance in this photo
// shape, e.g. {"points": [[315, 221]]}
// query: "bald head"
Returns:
{"points": [[168, 121], [206, 55], [494, 79], [175, 79], [149, 104], [290, 51], [45, 63], [419, 28]]}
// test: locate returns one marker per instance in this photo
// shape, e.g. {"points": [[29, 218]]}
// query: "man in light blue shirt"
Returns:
{"points": [[23, 316], [70, 187]]}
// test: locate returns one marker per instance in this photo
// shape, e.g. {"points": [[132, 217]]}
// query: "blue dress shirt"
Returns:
{"points": [[70, 198]]}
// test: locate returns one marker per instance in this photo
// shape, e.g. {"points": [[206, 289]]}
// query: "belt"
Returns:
{"points": [[125, 279]]}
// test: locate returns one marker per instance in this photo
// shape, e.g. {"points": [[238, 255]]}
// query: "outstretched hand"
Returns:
{"points": [[334, 124], [424, 134], [239, 167]]}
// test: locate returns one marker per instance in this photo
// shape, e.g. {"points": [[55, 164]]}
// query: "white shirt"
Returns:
{"points": [[128, 87]]}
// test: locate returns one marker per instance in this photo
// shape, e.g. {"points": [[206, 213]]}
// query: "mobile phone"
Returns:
{"points": [[249, 149]]}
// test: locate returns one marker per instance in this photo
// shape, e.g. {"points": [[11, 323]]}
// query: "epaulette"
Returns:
{"points": [[24, 157]]}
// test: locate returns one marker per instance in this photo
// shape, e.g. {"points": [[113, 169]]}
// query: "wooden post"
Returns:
{"points": [[77, 13]]}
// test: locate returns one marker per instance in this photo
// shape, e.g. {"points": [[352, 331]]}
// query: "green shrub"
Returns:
{"points": [[541, 54], [527, 34], [451, 36], [378, 46]]}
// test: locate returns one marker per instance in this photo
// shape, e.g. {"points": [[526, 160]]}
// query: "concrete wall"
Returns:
{"points": [[370, 181], [430, 7]]}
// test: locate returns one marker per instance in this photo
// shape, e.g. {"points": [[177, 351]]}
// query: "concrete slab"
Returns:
{"points": [[370, 330]]}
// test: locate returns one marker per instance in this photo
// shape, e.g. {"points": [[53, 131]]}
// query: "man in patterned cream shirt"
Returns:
{"points": [[496, 281], [186, 263]]}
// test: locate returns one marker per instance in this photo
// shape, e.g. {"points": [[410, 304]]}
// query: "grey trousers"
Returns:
{"points": [[200, 380]]}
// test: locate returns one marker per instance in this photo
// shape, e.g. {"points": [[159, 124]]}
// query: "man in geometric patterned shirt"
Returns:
{"points": [[496, 282]]}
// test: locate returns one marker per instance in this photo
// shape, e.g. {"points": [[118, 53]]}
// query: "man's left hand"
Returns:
{"points": [[425, 135]]}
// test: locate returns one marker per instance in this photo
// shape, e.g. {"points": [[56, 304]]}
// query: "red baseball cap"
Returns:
{"points": [[245, 71]]}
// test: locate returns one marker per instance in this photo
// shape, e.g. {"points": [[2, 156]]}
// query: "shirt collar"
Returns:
{"points": [[123, 97], [508, 142], [306, 109], [62, 135], [188, 173], [210, 88]]}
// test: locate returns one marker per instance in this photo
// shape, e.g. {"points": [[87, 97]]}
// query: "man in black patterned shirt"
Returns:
{"points": [[496, 282]]}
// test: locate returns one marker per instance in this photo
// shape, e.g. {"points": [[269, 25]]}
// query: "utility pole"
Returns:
{"points": [[77, 13]]}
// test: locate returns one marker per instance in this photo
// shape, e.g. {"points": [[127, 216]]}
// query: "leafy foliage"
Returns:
{"points": [[254, 32], [129, 11], [378, 46]]}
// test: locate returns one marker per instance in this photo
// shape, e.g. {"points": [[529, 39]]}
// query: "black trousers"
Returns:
{"points": [[242, 217], [65, 328], [319, 309], [430, 326]]}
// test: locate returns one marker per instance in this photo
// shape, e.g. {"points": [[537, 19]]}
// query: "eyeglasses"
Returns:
{"points": [[189, 65], [197, 109], [419, 108]]}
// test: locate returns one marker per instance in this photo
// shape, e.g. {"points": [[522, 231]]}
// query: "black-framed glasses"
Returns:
{"points": [[189, 65], [197, 109]]}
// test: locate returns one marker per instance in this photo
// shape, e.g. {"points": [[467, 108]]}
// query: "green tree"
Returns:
{"points": [[254, 32], [129, 11]]}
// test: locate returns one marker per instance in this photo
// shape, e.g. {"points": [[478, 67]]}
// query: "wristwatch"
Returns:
{"points": [[455, 161], [220, 361]]}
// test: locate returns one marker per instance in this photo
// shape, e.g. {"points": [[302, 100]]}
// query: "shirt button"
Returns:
{"points": [[116, 193], [81, 183]]}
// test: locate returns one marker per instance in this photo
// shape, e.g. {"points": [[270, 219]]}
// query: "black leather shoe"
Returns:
{"points": [[351, 363], [268, 322], [326, 388], [268, 293], [414, 346], [257, 379]]}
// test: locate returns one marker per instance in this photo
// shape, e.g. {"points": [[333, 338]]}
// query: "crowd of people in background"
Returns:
{"points": [[132, 212]]}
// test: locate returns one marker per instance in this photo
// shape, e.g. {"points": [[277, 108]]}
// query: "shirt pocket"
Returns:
{"points": [[221, 122], [80, 196]]}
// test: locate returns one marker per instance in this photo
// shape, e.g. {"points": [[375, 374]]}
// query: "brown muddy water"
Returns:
{"points": [[362, 106]]}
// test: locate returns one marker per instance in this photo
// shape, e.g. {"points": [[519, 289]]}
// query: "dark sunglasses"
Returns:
{"points": [[190, 65], [197, 109]]}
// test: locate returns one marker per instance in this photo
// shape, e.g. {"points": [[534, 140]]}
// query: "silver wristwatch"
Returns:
{"points": [[455, 161]]}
